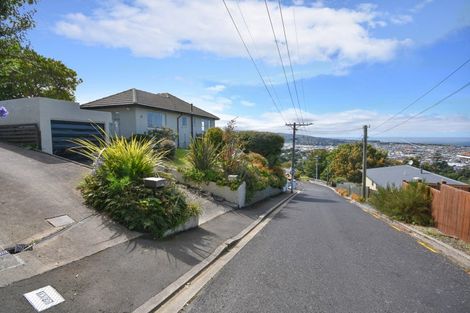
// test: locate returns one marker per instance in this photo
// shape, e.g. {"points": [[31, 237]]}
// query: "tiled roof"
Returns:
{"points": [[164, 101], [394, 175]]}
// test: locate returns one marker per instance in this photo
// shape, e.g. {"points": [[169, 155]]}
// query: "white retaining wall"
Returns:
{"points": [[237, 197]]}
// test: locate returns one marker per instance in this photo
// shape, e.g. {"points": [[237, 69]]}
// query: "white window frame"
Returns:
{"points": [[153, 124]]}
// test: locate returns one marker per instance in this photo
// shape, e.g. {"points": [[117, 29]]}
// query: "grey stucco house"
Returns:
{"points": [[136, 112]]}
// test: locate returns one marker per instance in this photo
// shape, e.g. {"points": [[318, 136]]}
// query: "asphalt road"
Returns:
{"points": [[323, 254]]}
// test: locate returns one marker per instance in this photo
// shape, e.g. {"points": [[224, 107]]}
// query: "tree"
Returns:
{"points": [[267, 144], [15, 20], [310, 164], [23, 72], [346, 161]]}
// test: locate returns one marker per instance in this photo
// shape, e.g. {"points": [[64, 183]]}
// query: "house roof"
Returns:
{"points": [[394, 175], [163, 101]]}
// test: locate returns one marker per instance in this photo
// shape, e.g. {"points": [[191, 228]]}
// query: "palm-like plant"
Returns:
{"points": [[132, 159], [203, 154]]}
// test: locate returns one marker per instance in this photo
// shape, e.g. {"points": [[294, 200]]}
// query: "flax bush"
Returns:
{"points": [[410, 204], [116, 187]]}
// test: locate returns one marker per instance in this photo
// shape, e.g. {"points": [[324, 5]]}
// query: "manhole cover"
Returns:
{"points": [[44, 298], [60, 221]]}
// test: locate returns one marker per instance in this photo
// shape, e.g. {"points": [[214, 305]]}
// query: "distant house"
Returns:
{"points": [[136, 112], [50, 124], [395, 175]]}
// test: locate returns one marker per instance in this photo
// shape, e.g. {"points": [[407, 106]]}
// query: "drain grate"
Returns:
{"points": [[60, 221], [20, 247], [8, 261]]}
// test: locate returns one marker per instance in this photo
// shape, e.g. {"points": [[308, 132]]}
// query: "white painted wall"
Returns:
{"points": [[370, 184], [21, 111], [41, 111]]}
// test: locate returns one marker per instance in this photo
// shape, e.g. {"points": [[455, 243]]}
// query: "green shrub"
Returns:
{"points": [[169, 147], [161, 134], [202, 176], [215, 135], [410, 204], [136, 207], [259, 176], [116, 185], [267, 144], [210, 165]]}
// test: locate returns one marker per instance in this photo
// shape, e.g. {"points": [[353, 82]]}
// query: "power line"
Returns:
{"points": [[252, 60], [256, 52], [335, 131], [426, 109], [426, 93], [298, 53], [280, 57], [290, 60]]}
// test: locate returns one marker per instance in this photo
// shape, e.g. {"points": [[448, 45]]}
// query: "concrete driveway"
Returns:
{"points": [[33, 187]]}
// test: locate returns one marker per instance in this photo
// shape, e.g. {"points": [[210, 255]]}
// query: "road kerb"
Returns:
{"points": [[159, 299]]}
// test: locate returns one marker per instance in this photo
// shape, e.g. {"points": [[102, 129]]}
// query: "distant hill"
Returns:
{"points": [[318, 141]]}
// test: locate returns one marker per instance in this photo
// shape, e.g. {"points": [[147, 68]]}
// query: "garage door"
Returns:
{"points": [[63, 132]]}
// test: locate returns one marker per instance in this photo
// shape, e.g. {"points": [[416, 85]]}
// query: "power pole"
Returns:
{"points": [[364, 163], [316, 168], [292, 168]]}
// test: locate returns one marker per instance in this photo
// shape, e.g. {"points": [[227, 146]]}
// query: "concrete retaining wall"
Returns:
{"points": [[263, 194], [237, 197]]}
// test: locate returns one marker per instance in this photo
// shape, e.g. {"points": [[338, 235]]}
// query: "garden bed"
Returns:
{"points": [[237, 196]]}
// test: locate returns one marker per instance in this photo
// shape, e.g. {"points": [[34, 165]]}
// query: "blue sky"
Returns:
{"points": [[355, 63]]}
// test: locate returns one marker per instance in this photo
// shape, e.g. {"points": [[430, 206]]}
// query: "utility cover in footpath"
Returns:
{"points": [[44, 298]]}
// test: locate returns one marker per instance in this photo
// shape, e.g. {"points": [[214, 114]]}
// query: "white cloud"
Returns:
{"points": [[247, 103], [420, 5], [349, 123], [161, 29], [401, 19], [216, 88]]}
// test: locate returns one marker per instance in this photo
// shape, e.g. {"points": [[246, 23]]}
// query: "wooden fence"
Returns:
{"points": [[21, 134], [451, 211]]}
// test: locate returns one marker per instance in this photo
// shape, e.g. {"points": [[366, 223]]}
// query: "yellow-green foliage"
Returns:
{"points": [[133, 158]]}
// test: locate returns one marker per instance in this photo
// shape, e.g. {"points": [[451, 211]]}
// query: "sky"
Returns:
{"points": [[348, 63]]}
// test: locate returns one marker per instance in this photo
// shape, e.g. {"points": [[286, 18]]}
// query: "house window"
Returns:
{"points": [[184, 121], [155, 120], [203, 125]]}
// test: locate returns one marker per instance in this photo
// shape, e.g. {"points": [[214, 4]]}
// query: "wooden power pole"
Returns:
{"points": [[364, 163], [292, 168]]}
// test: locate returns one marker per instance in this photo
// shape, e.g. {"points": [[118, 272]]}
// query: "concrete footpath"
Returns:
{"points": [[123, 277]]}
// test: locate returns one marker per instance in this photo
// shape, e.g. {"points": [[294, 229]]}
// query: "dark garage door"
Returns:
{"points": [[63, 132]]}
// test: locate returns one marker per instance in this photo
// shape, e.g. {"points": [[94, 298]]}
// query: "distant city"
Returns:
{"points": [[455, 151]]}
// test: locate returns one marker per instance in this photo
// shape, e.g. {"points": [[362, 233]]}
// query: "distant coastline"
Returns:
{"points": [[311, 140], [455, 141]]}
